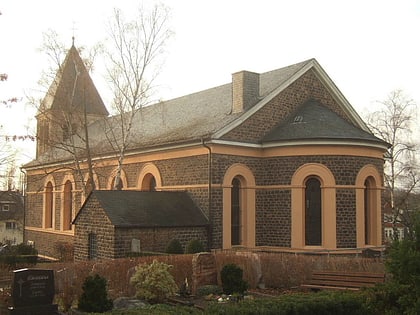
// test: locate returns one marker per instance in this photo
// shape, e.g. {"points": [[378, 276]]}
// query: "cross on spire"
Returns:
{"points": [[73, 30]]}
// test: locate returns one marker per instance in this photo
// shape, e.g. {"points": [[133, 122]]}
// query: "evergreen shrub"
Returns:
{"points": [[232, 281], [94, 297], [401, 292], [174, 247], [194, 246]]}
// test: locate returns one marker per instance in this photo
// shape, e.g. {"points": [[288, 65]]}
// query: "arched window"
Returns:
{"points": [[368, 207], [313, 212], [48, 219], [149, 178], [122, 181], [67, 206], [369, 210], [119, 186], [238, 207], [148, 183], [236, 212]]}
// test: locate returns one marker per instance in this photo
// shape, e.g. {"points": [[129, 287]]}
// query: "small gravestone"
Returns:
{"points": [[33, 292]]}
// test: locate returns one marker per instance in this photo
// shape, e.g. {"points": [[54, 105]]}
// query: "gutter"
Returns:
{"points": [[209, 163]]}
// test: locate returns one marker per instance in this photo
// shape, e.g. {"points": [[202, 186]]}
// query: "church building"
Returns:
{"points": [[274, 160]]}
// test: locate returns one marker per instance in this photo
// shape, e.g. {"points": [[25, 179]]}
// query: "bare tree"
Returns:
{"points": [[393, 123], [70, 126], [7, 153], [7, 163], [134, 64]]}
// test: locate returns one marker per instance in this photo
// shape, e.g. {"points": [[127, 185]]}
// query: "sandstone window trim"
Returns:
{"points": [[67, 212], [368, 189], [247, 204], [149, 178], [123, 180], [328, 206], [49, 206]]}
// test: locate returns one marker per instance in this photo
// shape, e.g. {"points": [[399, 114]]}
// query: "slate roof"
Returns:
{"points": [[194, 116], [130, 209], [208, 115], [312, 121], [73, 87]]}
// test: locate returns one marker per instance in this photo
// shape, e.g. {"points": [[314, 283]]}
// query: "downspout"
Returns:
{"points": [[209, 228], [23, 188]]}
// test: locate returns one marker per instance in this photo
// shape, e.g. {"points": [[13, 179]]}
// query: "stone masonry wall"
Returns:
{"points": [[47, 243], [305, 88], [273, 206], [191, 174], [93, 220], [156, 239]]}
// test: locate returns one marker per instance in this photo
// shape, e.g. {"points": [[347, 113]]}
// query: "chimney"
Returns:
{"points": [[245, 90]]}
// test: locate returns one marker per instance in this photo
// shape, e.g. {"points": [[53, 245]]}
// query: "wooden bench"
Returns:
{"points": [[339, 280]]}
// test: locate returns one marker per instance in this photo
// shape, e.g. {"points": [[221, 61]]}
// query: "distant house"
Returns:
{"points": [[395, 224], [270, 160], [11, 217]]}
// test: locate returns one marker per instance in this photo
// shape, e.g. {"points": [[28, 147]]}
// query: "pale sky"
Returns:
{"points": [[367, 47]]}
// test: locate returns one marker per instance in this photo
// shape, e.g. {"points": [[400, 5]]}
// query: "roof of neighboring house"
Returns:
{"points": [[14, 200], [73, 88], [313, 121], [129, 208]]}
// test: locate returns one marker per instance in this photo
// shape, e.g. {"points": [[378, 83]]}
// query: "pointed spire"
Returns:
{"points": [[73, 88]]}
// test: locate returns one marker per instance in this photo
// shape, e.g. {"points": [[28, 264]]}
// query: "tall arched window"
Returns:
{"points": [[368, 207], [313, 207], [369, 211], [236, 212], [313, 212], [238, 207], [48, 221], [67, 206]]}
